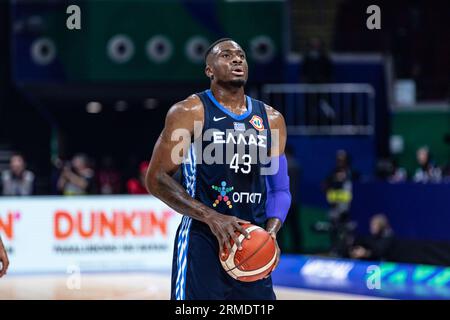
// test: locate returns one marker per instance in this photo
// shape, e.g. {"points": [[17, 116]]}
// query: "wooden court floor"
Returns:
{"points": [[122, 286]]}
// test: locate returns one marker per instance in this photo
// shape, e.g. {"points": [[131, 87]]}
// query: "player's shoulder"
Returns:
{"points": [[271, 111], [192, 106], [274, 116]]}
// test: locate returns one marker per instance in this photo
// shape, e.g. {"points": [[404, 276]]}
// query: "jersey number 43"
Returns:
{"points": [[244, 166]]}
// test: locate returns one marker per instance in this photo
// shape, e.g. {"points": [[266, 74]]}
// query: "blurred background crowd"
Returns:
{"points": [[80, 175]]}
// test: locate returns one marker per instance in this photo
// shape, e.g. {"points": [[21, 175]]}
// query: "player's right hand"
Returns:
{"points": [[224, 227]]}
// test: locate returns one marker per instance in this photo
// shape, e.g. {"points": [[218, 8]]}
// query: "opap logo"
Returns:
{"points": [[237, 197], [223, 190]]}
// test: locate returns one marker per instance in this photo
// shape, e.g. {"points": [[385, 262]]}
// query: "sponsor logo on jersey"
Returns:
{"points": [[236, 197], [218, 119], [223, 190]]}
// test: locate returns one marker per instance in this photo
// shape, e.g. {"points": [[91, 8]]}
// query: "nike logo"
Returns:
{"points": [[218, 119]]}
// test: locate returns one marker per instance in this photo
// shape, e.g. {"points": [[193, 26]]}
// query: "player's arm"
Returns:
{"points": [[279, 197], [170, 148], [278, 194], [172, 145], [3, 259]]}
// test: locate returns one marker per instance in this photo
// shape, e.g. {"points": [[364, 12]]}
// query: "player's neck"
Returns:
{"points": [[231, 97]]}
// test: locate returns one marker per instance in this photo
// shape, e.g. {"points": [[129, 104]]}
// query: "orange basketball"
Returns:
{"points": [[256, 259]]}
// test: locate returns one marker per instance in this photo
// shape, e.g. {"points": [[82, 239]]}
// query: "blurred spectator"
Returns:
{"points": [[17, 181], [388, 170], [398, 174], [317, 66], [427, 171], [378, 245], [339, 192], [108, 177], [338, 185], [292, 222], [76, 178], [137, 185], [446, 173]]}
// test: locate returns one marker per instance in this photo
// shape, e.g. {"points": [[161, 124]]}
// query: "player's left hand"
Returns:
{"points": [[277, 260]]}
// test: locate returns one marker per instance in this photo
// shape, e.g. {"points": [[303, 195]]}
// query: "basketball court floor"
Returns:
{"points": [[122, 286]]}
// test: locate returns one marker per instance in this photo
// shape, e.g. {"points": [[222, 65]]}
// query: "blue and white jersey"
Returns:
{"points": [[223, 170]]}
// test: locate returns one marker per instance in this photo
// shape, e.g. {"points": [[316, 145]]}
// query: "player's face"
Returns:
{"points": [[230, 64]]}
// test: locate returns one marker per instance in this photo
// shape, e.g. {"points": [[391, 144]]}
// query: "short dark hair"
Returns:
{"points": [[207, 52]]}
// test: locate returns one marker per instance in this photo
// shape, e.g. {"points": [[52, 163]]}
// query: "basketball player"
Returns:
{"points": [[217, 198], [3, 259]]}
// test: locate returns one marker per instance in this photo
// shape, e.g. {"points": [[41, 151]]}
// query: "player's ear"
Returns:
{"points": [[208, 72]]}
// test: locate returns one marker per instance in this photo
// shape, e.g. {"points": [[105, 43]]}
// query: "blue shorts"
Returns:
{"points": [[197, 273]]}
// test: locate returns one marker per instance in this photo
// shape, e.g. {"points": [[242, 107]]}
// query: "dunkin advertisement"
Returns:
{"points": [[96, 233]]}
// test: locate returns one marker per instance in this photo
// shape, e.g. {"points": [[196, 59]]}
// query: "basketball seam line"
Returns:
{"points": [[256, 251]]}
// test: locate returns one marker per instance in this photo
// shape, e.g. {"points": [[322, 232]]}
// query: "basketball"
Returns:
{"points": [[256, 259]]}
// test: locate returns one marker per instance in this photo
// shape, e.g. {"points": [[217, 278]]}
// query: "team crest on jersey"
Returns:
{"points": [[257, 122]]}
